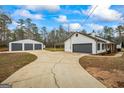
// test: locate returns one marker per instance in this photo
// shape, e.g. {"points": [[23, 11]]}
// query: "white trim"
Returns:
{"points": [[10, 46], [23, 48]]}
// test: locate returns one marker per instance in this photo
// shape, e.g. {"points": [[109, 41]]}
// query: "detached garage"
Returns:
{"points": [[27, 44]]}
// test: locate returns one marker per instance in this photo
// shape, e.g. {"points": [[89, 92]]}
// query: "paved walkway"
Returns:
{"points": [[119, 54], [54, 70]]}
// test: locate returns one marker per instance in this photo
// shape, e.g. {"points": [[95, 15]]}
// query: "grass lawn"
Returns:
{"points": [[3, 49], [54, 49], [11, 62], [122, 49], [108, 70]]}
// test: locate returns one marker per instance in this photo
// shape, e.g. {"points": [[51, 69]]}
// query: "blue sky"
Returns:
{"points": [[68, 15]]}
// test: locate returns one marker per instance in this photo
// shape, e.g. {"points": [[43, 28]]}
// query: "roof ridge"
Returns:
{"points": [[85, 35]]}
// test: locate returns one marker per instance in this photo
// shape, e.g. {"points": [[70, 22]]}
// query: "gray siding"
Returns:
{"points": [[16, 46], [82, 48]]}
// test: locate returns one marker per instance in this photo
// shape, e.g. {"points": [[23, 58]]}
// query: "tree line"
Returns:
{"points": [[26, 29]]}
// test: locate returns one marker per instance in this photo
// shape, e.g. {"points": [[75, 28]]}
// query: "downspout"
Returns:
{"points": [[96, 47]]}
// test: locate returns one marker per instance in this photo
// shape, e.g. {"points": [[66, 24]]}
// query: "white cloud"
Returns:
{"points": [[43, 7], [73, 26], [114, 27], [27, 14], [77, 12], [104, 13], [95, 27], [62, 18], [13, 25]]}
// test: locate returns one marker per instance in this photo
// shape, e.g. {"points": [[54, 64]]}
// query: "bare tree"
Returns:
{"points": [[4, 21], [120, 29]]}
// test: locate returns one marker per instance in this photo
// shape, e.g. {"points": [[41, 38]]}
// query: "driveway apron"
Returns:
{"points": [[53, 70]]}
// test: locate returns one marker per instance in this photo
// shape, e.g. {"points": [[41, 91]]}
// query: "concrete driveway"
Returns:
{"points": [[54, 70]]}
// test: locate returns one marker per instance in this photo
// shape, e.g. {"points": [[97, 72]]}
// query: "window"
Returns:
{"points": [[103, 46], [76, 35], [98, 46]]}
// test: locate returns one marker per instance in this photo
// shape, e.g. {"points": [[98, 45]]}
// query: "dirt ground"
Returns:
{"points": [[11, 62], [108, 70]]}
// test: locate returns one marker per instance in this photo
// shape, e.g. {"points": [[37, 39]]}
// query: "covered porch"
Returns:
{"points": [[110, 47]]}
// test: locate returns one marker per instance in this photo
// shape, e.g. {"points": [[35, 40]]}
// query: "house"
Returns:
{"points": [[84, 43], [122, 33], [26, 44]]}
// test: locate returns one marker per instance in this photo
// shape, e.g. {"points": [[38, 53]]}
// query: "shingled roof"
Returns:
{"points": [[96, 39]]}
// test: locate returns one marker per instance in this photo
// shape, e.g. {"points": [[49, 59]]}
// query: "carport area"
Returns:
{"points": [[53, 70]]}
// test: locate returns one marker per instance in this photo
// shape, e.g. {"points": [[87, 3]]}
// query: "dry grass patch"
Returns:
{"points": [[3, 49], [11, 62], [108, 70], [54, 49]]}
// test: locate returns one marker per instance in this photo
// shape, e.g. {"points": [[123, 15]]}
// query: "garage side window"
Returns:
{"points": [[103, 46], [98, 46]]}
